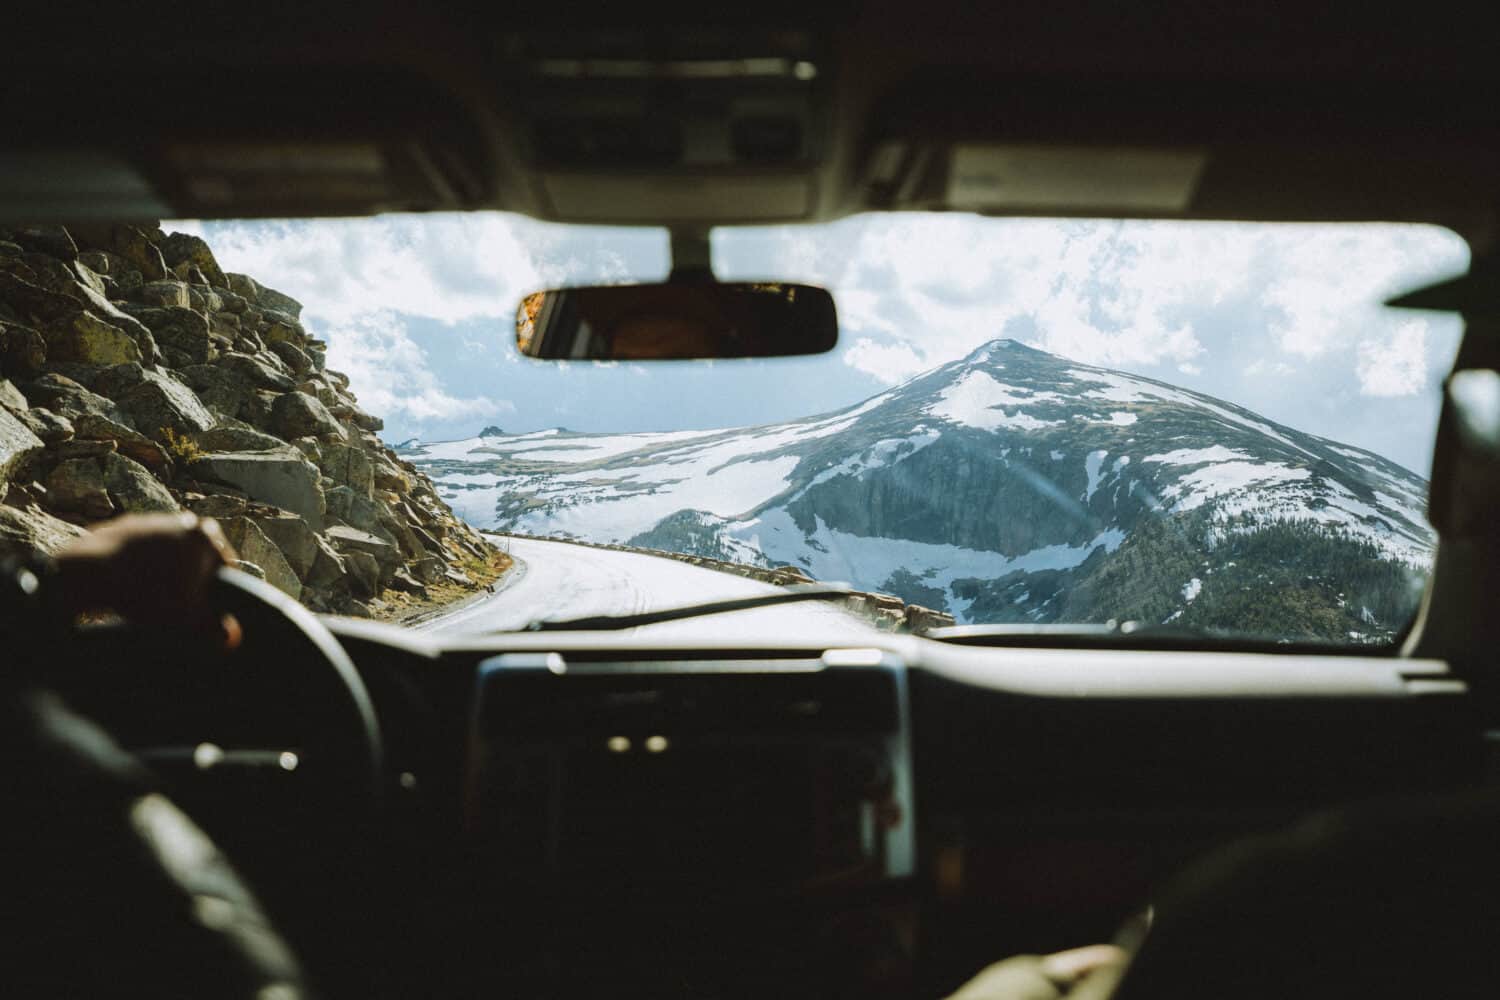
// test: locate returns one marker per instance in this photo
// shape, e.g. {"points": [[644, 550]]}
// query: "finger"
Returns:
{"points": [[215, 535], [1070, 966], [233, 633]]}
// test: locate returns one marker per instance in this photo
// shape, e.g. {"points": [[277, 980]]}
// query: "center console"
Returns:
{"points": [[762, 805]]}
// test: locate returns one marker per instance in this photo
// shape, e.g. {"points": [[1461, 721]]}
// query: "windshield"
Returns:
{"points": [[1205, 426]]}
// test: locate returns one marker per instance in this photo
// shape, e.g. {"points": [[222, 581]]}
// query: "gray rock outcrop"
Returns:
{"points": [[136, 375]]}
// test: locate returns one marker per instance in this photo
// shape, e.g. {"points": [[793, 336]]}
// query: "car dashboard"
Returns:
{"points": [[588, 811]]}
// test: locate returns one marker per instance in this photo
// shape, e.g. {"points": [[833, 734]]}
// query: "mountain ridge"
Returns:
{"points": [[1001, 486]]}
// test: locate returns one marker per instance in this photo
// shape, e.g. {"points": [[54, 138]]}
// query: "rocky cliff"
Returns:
{"points": [[136, 375]]}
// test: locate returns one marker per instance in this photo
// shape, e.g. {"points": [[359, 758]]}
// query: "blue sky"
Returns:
{"points": [[1283, 319]]}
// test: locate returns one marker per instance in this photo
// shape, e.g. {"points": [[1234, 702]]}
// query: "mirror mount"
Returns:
{"points": [[692, 257]]}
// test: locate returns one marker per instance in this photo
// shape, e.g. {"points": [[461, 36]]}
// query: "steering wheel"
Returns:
{"points": [[289, 646], [287, 709]]}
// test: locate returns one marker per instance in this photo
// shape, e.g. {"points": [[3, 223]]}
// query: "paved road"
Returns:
{"points": [[559, 580]]}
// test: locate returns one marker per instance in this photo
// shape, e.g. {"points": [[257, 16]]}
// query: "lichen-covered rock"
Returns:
{"points": [[159, 404], [45, 424], [296, 414], [17, 442], [235, 436], [253, 545], [23, 350], [349, 466], [55, 241], [163, 294], [27, 528], [132, 444], [86, 338], [256, 373], [131, 243], [132, 487], [183, 248], [182, 334], [271, 299], [149, 379], [292, 356], [63, 395], [282, 478], [77, 485]]}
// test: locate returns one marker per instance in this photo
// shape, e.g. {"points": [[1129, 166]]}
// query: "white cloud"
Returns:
{"points": [[1396, 366], [890, 363], [920, 290], [390, 375]]}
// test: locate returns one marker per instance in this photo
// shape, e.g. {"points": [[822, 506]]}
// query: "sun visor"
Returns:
{"points": [[1007, 177]]}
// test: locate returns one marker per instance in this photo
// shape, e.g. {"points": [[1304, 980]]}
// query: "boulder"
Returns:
{"points": [[132, 487], [179, 248], [40, 304], [46, 425], [251, 544], [296, 414], [328, 568], [11, 398], [84, 337], [349, 466], [233, 302], [17, 443], [164, 293], [181, 333], [23, 350], [346, 540], [55, 241], [355, 509], [281, 328], [218, 387], [257, 373], [158, 404], [390, 477], [26, 529], [218, 505], [403, 582], [77, 485], [65, 451], [364, 572], [244, 286], [282, 478], [225, 324], [130, 443], [297, 542], [270, 299], [292, 356], [236, 436], [65, 396], [128, 242], [429, 569]]}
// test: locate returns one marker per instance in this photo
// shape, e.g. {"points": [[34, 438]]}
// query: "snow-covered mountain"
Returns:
{"points": [[1012, 485]]}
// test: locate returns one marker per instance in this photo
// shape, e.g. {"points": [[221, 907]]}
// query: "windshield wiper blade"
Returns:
{"points": [[791, 595], [1130, 635]]}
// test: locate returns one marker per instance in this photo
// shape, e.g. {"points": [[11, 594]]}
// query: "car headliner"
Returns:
{"points": [[1325, 112]]}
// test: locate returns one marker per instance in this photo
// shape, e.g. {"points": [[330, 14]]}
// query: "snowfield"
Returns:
{"points": [[1010, 461], [555, 580]]}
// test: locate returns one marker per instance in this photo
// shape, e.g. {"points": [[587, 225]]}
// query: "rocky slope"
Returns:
{"points": [[136, 375], [1012, 485]]}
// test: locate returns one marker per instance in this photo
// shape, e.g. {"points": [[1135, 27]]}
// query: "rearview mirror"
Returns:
{"points": [[676, 321]]}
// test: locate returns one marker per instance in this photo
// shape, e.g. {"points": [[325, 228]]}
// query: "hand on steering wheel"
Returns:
{"points": [[151, 569]]}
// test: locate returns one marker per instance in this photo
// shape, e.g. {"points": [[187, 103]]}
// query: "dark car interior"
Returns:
{"points": [[573, 813]]}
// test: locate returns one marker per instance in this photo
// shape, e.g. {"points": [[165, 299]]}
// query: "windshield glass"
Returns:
{"points": [[1206, 426]]}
